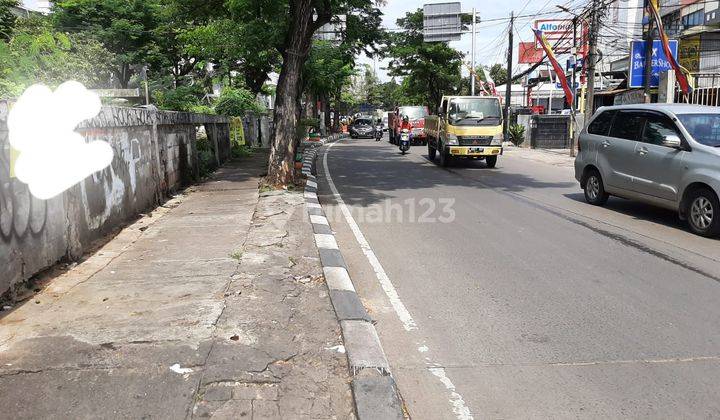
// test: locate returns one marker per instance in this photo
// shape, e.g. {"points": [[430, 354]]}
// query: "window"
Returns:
{"points": [[627, 125], [601, 124], [413, 112], [704, 128], [656, 128], [693, 19], [444, 107]]}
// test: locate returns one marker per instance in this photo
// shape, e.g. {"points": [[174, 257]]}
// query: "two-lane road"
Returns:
{"points": [[525, 302]]}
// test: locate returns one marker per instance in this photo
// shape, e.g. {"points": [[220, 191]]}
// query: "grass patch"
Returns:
{"points": [[237, 255]]}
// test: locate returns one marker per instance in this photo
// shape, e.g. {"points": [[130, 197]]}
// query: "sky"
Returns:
{"points": [[492, 35]]}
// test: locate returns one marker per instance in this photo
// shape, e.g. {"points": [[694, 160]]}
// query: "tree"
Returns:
{"points": [[292, 24], [124, 27], [7, 18], [37, 53], [429, 70], [499, 74]]}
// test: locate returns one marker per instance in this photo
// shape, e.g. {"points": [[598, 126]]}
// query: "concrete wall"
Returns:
{"points": [[155, 154], [257, 129]]}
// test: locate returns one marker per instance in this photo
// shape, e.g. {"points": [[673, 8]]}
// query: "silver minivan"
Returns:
{"points": [[664, 154]]}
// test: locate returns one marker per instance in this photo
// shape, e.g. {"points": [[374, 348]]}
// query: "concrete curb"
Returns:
{"points": [[374, 390]]}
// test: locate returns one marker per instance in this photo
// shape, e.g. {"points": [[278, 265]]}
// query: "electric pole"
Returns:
{"points": [[647, 70], [574, 131], [472, 56], [508, 83], [591, 58]]}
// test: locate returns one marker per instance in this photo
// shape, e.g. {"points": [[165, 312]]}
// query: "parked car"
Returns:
{"points": [[362, 127], [663, 154]]}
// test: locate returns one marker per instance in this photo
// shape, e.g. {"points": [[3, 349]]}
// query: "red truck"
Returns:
{"points": [[416, 115]]}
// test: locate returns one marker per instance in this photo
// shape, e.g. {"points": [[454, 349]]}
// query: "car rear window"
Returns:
{"points": [[601, 124], [627, 125]]}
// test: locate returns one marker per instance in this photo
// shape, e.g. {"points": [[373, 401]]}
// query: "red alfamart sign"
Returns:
{"points": [[559, 32]]}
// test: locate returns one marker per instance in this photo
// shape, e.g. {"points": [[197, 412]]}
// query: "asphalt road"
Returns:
{"points": [[525, 302]]}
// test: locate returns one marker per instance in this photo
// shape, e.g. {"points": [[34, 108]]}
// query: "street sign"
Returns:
{"points": [[441, 22], [660, 62]]}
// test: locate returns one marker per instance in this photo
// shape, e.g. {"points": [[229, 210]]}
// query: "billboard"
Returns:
{"points": [[659, 63], [529, 53], [441, 22], [559, 33]]}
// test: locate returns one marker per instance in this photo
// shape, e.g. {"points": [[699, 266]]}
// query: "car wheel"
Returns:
{"points": [[491, 161], [444, 157], [702, 212], [431, 152], [595, 189]]}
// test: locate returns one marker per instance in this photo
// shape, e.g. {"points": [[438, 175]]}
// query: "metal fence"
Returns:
{"points": [[550, 132], [707, 91]]}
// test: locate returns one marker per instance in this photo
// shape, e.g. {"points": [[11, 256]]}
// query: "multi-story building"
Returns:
{"points": [[621, 23], [696, 25]]}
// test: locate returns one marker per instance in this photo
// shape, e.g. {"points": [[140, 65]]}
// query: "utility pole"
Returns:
{"points": [[647, 70], [472, 57], [592, 40], [574, 131], [508, 83]]}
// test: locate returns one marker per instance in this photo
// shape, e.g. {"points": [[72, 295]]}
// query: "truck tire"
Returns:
{"points": [[431, 152], [444, 157], [491, 161]]}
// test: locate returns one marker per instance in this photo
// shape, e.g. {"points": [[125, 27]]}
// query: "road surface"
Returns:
{"points": [[513, 298]]}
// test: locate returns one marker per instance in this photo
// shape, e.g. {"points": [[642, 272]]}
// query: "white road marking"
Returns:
{"points": [[400, 309], [462, 412], [459, 408]]}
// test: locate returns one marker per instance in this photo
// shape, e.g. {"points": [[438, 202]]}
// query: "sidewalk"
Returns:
{"points": [[213, 305], [557, 157]]}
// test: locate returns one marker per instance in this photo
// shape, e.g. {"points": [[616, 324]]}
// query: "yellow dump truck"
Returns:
{"points": [[466, 127]]}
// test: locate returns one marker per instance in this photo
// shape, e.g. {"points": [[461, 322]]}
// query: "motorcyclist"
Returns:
{"points": [[406, 124]]}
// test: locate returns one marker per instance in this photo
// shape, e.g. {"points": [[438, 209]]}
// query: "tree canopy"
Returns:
{"points": [[429, 70]]}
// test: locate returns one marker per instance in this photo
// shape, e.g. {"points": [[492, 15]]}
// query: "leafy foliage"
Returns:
{"points": [[7, 19], [236, 102], [124, 27], [429, 70], [37, 53], [517, 134], [183, 98]]}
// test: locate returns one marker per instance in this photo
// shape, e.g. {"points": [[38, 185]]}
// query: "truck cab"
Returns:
{"points": [[468, 127]]}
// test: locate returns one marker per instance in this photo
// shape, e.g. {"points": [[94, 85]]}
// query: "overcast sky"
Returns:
{"points": [[492, 36]]}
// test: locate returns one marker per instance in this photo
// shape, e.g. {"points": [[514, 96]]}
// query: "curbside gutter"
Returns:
{"points": [[374, 390]]}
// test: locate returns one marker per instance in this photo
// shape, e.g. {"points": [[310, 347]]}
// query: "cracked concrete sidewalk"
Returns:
{"points": [[213, 305]]}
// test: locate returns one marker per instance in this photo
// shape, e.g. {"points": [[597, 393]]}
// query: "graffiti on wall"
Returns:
{"points": [[21, 214]]}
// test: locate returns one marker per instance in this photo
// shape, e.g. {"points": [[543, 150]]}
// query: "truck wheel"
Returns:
{"points": [[444, 157], [431, 152], [491, 161]]}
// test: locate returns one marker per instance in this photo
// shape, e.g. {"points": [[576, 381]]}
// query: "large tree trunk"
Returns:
{"points": [[281, 170]]}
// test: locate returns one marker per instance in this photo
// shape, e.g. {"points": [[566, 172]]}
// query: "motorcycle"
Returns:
{"points": [[405, 138], [378, 132]]}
